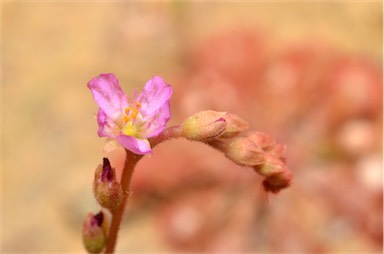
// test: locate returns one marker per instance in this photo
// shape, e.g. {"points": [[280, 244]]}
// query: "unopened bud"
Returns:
{"points": [[265, 141], [244, 152], [108, 191], [279, 151], [235, 125], [270, 166], [94, 232], [277, 182], [204, 126]]}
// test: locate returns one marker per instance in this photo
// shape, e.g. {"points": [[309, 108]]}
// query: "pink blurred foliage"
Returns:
{"points": [[324, 104]]}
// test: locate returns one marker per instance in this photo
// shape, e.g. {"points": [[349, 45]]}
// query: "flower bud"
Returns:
{"points": [[270, 166], [244, 152], [265, 141], [279, 151], [277, 182], [108, 191], [235, 125], [204, 126], [94, 232]]}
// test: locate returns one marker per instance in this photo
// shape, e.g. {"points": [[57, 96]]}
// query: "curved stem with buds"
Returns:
{"points": [[224, 133]]}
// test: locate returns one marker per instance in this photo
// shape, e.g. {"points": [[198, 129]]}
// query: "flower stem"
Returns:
{"points": [[117, 214], [167, 134], [129, 165]]}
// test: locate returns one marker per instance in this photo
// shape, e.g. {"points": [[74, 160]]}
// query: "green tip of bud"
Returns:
{"points": [[94, 232], [204, 126], [107, 190]]}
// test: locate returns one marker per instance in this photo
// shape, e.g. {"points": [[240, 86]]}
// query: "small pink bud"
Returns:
{"points": [[235, 125], [204, 126], [244, 152], [94, 232], [108, 191]]}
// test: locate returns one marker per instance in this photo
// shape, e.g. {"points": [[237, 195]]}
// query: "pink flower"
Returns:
{"points": [[131, 122]]}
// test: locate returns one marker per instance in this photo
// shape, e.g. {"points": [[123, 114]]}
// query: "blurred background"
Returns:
{"points": [[310, 74]]}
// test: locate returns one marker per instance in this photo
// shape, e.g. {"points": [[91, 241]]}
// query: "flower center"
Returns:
{"points": [[131, 112], [129, 118]]}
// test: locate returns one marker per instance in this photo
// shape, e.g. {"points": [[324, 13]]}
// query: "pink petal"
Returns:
{"points": [[108, 95], [156, 124], [154, 97], [107, 128], [135, 145]]}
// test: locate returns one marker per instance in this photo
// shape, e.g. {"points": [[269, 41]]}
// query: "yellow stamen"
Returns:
{"points": [[126, 118], [134, 113], [131, 112]]}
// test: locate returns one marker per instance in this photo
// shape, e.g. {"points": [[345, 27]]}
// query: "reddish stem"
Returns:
{"points": [[129, 165], [167, 134], [117, 215]]}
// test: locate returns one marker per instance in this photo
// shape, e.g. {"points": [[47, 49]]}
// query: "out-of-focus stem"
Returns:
{"points": [[117, 214]]}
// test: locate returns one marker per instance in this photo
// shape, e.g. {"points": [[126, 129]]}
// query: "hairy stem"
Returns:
{"points": [[167, 134], [117, 214]]}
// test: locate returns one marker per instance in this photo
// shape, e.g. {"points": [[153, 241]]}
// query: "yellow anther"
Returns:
{"points": [[134, 113], [126, 110], [131, 112], [126, 118]]}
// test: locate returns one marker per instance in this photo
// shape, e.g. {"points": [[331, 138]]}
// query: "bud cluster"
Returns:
{"points": [[109, 194], [226, 132]]}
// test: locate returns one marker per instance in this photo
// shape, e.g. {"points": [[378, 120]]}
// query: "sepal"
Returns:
{"points": [[107, 190], [204, 126]]}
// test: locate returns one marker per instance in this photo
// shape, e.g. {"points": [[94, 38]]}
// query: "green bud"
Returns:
{"points": [[107, 190], [204, 126], [94, 232]]}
